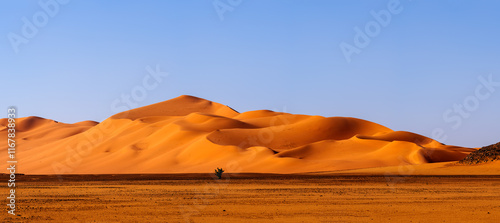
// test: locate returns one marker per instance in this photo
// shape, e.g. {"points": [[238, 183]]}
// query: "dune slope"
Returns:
{"points": [[190, 134]]}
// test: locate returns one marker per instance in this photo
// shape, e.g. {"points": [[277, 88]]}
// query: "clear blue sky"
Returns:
{"points": [[283, 55]]}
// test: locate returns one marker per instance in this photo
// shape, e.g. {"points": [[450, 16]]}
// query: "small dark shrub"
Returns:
{"points": [[219, 172]]}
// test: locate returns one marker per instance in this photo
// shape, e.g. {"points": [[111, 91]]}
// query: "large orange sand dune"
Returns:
{"points": [[190, 134]]}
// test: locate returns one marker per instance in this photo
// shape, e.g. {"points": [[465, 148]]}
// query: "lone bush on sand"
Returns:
{"points": [[219, 172]]}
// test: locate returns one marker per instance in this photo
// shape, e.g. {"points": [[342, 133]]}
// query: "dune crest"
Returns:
{"points": [[193, 135], [180, 106]]}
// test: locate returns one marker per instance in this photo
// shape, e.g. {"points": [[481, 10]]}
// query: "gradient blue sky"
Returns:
{"points": [[282, 55]]}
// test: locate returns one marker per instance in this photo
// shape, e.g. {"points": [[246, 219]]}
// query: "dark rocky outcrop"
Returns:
{"points": [[483, 155]]}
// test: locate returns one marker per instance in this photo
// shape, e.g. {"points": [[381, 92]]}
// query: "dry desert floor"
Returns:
{"points": [[256, 198]]}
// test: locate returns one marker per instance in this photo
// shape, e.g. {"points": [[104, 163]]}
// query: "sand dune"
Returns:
{"points": [[180, 106], [190, 134]]}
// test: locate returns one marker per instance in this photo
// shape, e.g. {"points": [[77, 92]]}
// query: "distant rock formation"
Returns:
{"points": [[483, 155]]}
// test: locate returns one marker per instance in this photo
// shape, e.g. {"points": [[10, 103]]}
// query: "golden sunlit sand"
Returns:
{"points": [[193, 135]]}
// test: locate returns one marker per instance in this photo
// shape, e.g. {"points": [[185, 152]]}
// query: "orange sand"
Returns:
{"points": [[256, 198], [192, 135]]}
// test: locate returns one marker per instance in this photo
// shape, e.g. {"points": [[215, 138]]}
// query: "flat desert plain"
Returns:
{"points": [[256, 198]]}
